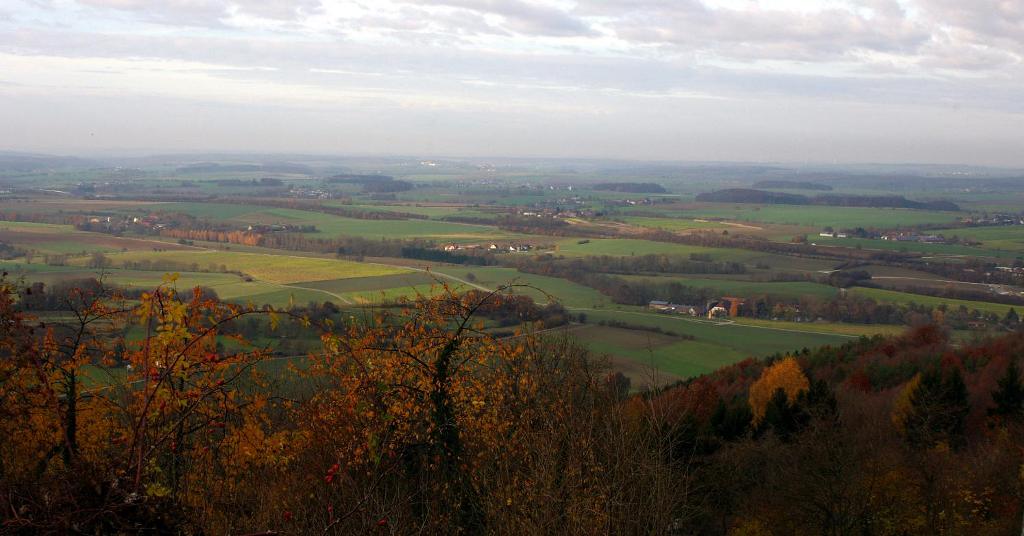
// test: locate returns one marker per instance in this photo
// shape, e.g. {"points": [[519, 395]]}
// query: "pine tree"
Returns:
{"points": [[938, 409], [783, 418], [1011, 317], [1009, 395], [731, 422]]}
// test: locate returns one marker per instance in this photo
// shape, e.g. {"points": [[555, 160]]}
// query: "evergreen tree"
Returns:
{"points": [[1009, 395], [1011, 317], [783, 418], [819, 401], [731, 422], [938, 410]]}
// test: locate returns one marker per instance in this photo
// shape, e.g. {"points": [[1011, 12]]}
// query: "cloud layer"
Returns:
{"points": [[656, 78]]}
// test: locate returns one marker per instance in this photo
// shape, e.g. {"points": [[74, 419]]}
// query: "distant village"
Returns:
{"points": [[895, 236], [492, 248], [994, 219]]}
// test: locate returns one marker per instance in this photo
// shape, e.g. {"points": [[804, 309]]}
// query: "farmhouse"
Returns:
{"points": [[724, 306], [677, 308]]}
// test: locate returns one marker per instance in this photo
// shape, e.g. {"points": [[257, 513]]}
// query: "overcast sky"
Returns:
{"points": [[938, 81]]}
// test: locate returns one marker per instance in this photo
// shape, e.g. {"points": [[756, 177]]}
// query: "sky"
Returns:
{"points": [[816, 81]]}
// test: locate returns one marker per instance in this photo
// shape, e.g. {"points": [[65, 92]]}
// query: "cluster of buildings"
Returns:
{"points": [[723, 307], [275, 228], [303, 192], [910, 236], [493, 248], [994, 219], [149, 222], [646, 201], [556, 212], [895, 236]]}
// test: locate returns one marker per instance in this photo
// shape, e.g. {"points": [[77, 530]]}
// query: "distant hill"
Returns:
{"points": [[792, 185], [27, 162], [351, 178], [749, 195], [268, 167], [631, 187]]}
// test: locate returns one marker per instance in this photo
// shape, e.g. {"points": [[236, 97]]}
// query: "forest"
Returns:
{"points": [[417, 420]]}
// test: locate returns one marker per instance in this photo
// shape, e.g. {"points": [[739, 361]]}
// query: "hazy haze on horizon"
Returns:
{"points": [[938, 81]]}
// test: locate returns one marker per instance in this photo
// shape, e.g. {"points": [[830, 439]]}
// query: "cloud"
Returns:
{"points": [[523, 17], [985, 19], [634, 60], [756, 33], [209, 13]]}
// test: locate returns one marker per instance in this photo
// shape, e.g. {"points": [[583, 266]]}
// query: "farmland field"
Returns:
{"points": [[229, 287], [814, 216], [329, 225], [279, 269], [792, 289], [988, 249], [1003, 238], [838, 328], [538, 287], [893, 296], [672, 224], [434, 212], [715, 344], [641, 354], [625, 247], [64, 239]]}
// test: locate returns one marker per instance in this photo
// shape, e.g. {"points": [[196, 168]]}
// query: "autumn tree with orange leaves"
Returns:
{"points": [[101, 451], [407, 419], [785, 375]]}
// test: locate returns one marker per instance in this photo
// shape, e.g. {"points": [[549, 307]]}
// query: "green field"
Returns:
{"points": [[361, 284], [280, 269], [815, 216], [626, 247], [715, 343], [431, 211], [539, 287], [376, 289], [212, 211], [987, 250], [1004, 238], [783, 289], [329, 225], [44, 238], [672, 224], [838, 328], [641, 355], [894, 296], [229, 287]]}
